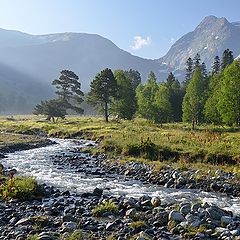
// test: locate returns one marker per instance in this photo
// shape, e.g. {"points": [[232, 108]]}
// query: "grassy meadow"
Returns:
{"points": [[208, 148]]}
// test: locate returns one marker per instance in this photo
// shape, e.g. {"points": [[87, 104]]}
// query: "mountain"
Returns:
{"points": [[43, 57], [210, 38]]}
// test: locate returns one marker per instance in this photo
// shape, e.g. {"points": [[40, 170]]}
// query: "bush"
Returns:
{"points": [[138, 225], [22, 188], [108, 206]]}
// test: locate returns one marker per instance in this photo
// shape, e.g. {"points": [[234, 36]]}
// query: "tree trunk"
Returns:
{"points": [[193, 125], [106, 112]]}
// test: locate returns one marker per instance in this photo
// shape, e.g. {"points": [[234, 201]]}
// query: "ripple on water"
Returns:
{"points": [[38, 163]]}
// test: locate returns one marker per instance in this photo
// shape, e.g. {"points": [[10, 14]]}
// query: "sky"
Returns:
{"points": [[145, 28]]}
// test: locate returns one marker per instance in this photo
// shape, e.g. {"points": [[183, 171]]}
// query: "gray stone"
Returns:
{"points": [[176, 216], [216, 213], [185, 209], [69, 225], [131, 212], [225, 220]]}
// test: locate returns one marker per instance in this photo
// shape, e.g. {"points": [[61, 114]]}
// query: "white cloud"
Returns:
{"points": [[172, 40], [140, 42]]}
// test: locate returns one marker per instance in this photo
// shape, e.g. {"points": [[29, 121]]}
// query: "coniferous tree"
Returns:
{"points": [[227, 58], [51, 108], [189, 72], [176, 94], [216, 66], [69, 91], [134, 76], [103, 90], [197, 62]]}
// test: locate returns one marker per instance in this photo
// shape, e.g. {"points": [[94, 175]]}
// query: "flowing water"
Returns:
{"points": [[39, 163]]}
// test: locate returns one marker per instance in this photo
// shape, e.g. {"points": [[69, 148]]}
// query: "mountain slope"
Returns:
{"points": [[210, 38], [85, 54]]}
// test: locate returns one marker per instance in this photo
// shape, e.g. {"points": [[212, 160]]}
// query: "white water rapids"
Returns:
{"points": [[39, 164]]}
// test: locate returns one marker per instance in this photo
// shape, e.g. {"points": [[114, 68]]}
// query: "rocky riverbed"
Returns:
{"points": [[129, 209]]}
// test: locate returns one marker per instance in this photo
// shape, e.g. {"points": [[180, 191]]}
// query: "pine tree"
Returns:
{"points": [[69, 91], [216, 67], [203, 69], [103, 90], [227, 58]]}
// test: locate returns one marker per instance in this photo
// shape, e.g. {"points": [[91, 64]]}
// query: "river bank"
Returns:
{"points": [[126, 209]]}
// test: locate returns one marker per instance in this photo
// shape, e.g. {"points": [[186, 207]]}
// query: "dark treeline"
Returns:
{"points": [[204, 96]]}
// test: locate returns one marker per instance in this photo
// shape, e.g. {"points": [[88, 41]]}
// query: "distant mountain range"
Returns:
{"points": [[28, 63]]}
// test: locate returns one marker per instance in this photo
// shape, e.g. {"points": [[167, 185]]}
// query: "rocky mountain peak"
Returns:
{"points": [[210, 38]]}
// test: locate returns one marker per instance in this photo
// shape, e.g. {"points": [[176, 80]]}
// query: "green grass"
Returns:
{"points": [[108, 206], [22, 188], [208, 148], [137, 225]]}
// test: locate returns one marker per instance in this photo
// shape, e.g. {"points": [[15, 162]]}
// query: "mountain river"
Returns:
{"points": [[39, 163]]}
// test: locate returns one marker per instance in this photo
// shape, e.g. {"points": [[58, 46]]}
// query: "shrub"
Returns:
{"points": [[76, 235], [21, 188], [108, 206], [137, 225]]}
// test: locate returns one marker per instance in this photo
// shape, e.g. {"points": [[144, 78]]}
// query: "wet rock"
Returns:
{"points": [[225, 220], [98, 192], [176, 216], [69, 226], [131, 212], [185, 209], [156, 201], [216, 213]]}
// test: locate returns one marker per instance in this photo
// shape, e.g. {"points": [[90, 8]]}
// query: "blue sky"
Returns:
{"points": [[146, 28]]}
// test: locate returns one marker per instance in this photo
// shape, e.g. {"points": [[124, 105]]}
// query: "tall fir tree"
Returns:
{"points": [[216, 66], [197, 62], [189, 72], [175, 96]]}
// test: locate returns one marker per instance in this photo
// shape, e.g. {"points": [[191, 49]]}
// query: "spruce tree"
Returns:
{"points": [[216, 66], [189, 72], [227, 58], [197, 62], [134, 76]]}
